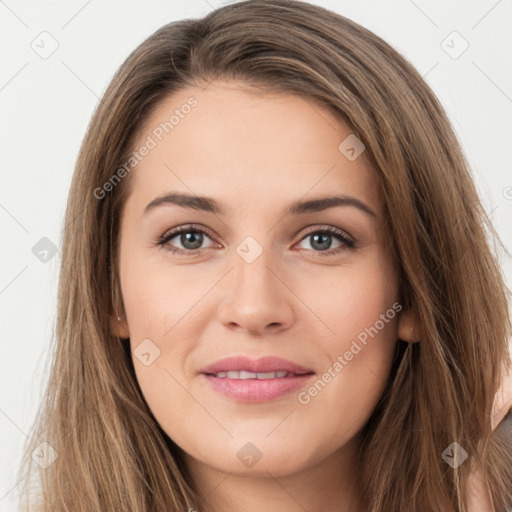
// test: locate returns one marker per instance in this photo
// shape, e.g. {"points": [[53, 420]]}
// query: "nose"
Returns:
{"points": [[256, 297]]}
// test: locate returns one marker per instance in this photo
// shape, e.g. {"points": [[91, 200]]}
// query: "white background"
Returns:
{"points": [[46, 105]]}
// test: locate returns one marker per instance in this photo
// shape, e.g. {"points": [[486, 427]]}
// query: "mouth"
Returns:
{"points": [[255, 381], [245, 375]]}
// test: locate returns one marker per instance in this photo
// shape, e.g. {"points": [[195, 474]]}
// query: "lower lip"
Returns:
{"points": [[255, 390]]}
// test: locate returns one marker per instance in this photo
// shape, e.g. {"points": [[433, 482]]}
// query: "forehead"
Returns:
{"points": [[249, 150]]}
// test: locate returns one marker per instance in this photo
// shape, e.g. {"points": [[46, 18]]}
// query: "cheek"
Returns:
{"points": [[357, 303], [157, 297], [165, 314], [362, 314]]}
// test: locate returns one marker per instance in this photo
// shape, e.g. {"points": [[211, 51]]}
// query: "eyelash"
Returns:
{"points": [[169, 235]]}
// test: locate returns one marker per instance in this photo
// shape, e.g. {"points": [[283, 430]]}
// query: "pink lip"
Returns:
{"points": [[264, 364], [256, 390]]}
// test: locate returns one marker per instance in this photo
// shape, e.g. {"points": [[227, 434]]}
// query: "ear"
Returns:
{"points": [[119, 326], [409, 327]]}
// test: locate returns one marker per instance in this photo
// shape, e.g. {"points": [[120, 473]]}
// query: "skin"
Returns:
{"points": [[257, 154]]}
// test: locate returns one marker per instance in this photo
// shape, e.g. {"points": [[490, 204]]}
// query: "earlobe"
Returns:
{"points": [[408, 328]]}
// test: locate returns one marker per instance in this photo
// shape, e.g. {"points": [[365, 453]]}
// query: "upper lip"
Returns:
{"points": [[261, 365]]}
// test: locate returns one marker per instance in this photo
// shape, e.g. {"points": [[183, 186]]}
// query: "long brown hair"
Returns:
{"points": [[110, 452]]}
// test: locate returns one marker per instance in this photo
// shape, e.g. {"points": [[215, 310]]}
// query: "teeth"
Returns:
{"points": [[243, 375]]}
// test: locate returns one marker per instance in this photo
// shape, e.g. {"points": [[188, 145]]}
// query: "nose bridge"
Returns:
{"points": [[254, 264]]}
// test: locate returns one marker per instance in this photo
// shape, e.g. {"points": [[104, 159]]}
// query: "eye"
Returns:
{"points": [[321, 241], [190, 237]]}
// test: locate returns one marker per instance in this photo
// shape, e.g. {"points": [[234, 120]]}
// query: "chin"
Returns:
{"points": [[258, 457]]}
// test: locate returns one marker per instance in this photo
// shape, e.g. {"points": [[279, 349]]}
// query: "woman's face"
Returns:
{"points": [[255, 278]]}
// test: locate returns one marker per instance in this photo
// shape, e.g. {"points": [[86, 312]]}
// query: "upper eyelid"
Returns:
{"points": [[186, 227], [332, 229]]}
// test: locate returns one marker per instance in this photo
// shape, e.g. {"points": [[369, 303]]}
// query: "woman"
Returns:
{"points": [[247, 371]]}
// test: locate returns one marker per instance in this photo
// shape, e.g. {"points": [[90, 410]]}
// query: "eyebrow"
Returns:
{"points": [[210, 205]]}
